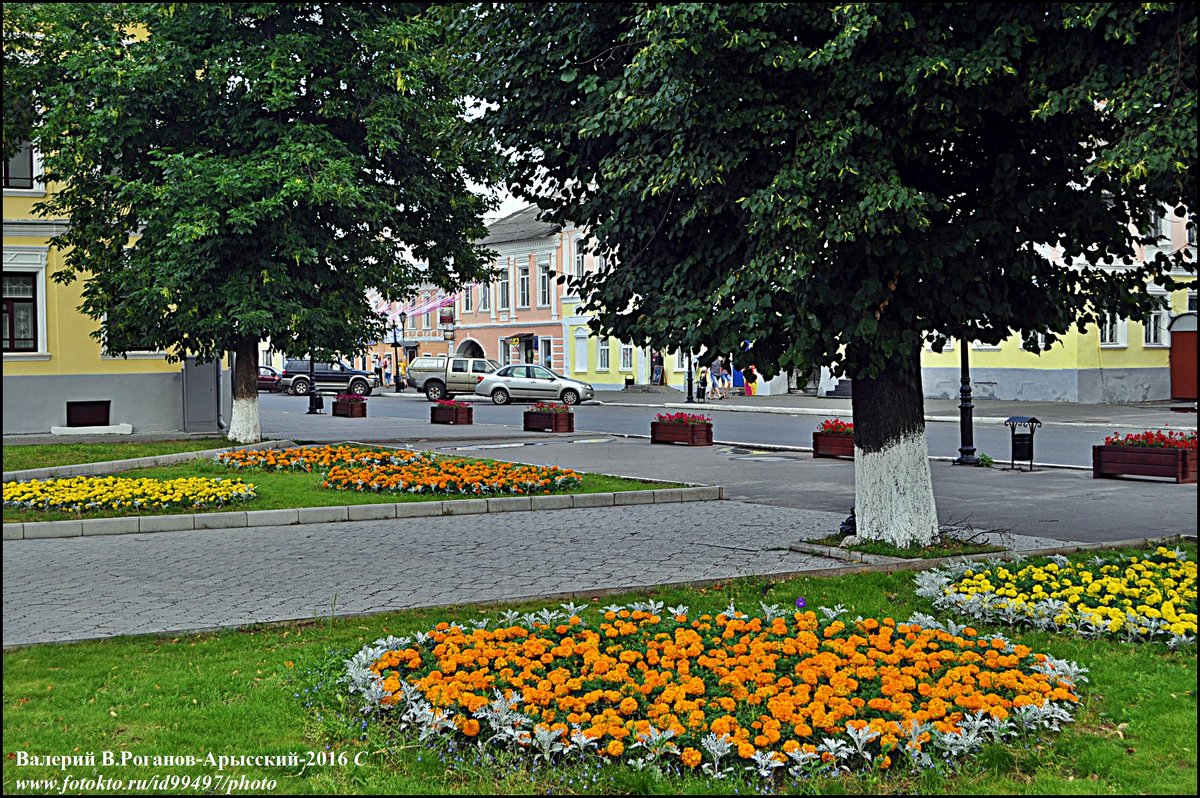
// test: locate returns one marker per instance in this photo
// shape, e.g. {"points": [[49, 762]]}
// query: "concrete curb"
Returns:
{"points": [[357, 512]]}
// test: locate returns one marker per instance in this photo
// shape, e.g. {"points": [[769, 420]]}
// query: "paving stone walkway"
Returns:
{"points": [[82, 588]]}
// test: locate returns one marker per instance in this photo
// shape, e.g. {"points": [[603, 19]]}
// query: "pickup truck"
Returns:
{"points": [[441, 377]]}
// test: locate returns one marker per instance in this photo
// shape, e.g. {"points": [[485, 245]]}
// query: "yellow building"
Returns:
{"points": [[55, 374], [1125, 360]]}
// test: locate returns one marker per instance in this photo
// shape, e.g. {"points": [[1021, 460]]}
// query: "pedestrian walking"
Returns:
{"points": [[726, 380], [379, 370], [387, 371], [714, 372]]}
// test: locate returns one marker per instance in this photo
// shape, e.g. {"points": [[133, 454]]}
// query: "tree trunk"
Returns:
{"points": [[244, 425], [893, 488]]}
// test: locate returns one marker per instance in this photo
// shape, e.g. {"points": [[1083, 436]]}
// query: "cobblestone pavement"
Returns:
{"points": [[81, 588]]}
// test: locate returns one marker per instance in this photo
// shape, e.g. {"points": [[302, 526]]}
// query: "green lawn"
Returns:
{"points": [[21, 458], [272, 690], [286, 490]]}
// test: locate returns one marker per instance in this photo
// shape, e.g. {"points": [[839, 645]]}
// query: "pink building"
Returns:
{"points": [[518, 318]]}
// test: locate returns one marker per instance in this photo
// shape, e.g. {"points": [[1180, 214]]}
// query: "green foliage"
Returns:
{"points": [[271, 162], [841, 184], [986, 461]]}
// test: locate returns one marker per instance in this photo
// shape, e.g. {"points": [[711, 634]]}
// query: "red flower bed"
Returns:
{"points": [[1155, 439]]}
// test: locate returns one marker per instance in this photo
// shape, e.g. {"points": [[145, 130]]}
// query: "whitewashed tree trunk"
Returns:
{"points": [[893, 488], [244, 425], [893, 493]]}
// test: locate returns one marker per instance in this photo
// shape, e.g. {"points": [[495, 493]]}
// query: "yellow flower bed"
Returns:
{"points": [[80, 494], [1151, 596], [762, 690]]}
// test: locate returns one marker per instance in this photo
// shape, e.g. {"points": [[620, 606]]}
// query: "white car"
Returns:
{"points": [[527, 381]]}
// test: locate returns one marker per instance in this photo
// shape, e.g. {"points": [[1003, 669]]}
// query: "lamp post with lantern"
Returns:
{"points": [[401, 317]]}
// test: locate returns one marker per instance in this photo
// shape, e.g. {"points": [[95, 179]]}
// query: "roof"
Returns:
{"points": [[520, 226]]}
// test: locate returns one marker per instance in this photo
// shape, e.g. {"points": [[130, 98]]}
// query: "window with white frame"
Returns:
{"points": [[1154, 326], [1156, 226], [24, 280], [523, 284], [544, 282], [579, 257], [1113, 330], [21, 316], [980, 346], [485, 298], [602, 356], [18, 170], [1191, 301], [468, 299], [581, 352], [1191, 231], [427, 318], [503, 351], [626, 357], [679, 365], [503, 301]]}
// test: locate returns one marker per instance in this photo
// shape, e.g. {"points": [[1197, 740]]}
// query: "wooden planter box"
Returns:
{"points": [[1144, 461], [691, 434], [828, 444], [451, 415], [350, 409], [537, 421]]}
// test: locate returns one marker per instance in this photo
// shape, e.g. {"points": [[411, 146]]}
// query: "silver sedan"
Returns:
{"points": [[527, 381]]}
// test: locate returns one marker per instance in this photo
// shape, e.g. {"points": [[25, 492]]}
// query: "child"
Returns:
{"points": [[702, 380]]}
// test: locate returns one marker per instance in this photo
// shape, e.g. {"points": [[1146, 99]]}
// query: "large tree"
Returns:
{"points": [[842, 184], [238, 172]]}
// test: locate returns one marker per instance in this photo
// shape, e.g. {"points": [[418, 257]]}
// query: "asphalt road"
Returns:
{"points": [[1059, 445]]}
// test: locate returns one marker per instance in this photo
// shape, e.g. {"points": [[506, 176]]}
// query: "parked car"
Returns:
{"points": [[336, 376], [527, 381], [441, 377], [269, 379]]}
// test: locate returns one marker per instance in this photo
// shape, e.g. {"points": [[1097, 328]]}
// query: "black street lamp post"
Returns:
{"points": [[966, 408], [690, 377], [315, 403], [395, 355]]}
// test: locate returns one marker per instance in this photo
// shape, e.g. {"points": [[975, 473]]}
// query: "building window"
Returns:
{"points": [[468, 299], [679, 365], [1191, 232], [544, 283], [546, 351], [504, 304], [579, 256], [18, 170], [1156, 226], [602, 358], [626, 357], [523, 285], [1154, 326], [1112, 330], [485, 298], [1191, 301], [20, 312], [581, 353]]}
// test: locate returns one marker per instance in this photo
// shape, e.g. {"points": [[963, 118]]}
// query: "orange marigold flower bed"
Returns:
{"points": [[731, 685], [403, 471]]}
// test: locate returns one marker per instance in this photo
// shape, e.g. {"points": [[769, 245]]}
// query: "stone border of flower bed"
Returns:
{"points": [[35, 530], [32, 530]]}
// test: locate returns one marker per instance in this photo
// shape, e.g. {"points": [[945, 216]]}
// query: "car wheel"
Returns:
{"points": [[570, 397], [300, 386], [435, 391], [360, 387], [500, 397]]}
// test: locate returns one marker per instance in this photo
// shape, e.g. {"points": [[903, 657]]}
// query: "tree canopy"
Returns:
{"points": [[272, 161], [841, 184]]}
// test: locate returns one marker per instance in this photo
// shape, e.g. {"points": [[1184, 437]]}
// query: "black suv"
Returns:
{"points": [[336, 376]]}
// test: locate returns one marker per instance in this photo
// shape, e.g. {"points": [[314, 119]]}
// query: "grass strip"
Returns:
{"points": [[280, 490], [271, 690], [47, 455]]}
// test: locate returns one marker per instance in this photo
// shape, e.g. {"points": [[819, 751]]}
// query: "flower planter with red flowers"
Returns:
{"points": [[350, 405], [450, 412], [693, 430], [834, 438], [549, 417], [1147, 454]]}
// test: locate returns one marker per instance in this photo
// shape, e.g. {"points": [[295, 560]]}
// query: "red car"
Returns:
{"points": [[269, 380]]}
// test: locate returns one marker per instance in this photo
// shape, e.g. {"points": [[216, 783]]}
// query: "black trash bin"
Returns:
{"points": [[1022, 442]]}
